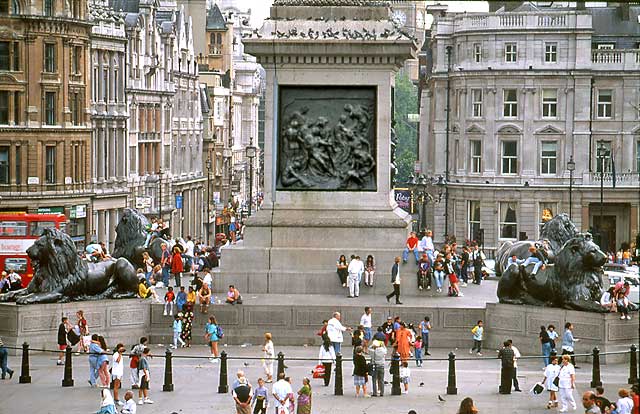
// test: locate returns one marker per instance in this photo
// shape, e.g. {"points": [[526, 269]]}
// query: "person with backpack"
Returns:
{"points": [[136, 353], [213, 334]]}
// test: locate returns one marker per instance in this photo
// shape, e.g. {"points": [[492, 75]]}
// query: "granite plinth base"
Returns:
{"points": [[522, 324], [117, 320]]}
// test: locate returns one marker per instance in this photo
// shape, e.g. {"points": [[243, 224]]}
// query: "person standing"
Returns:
{"points": [[4, 361], [425, 328], [365, 322], [268, 355], [545, 341], [378, 353], [177, 332], [566, 384], [136, 354], [83, 331], [553, 335], [352, 279], [477, 334], [177, 265], [117, 371], [280, 391], [402, 343], [589, 403], [405, 376], [63, 328], [260, 398], [516, 355], [212, 337], [165, 263], [304, 397], [326, 357], [95, 352], [145, 378], [395, 281], [478, 262], [568, 342], [360, 373], [506, 372], [335, 330], [242, 394]]}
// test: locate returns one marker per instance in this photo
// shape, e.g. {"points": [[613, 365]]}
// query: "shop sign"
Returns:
{"points": [[79, 211], [50, 210], [403, 198]]}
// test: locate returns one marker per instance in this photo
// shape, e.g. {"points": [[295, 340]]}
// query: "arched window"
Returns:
{"points": [[15, 7], [4, 6]]}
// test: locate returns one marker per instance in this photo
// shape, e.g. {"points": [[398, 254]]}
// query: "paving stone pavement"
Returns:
{"points": [[196, 384]]}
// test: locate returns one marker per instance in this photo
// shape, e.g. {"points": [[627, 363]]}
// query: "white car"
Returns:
{"points": [[620, 273]]}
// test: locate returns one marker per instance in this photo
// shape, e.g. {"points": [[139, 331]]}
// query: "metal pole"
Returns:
{"points": [[25, 378], [595, 371], [446, 170], [168, 372], [337, 382], [395, 374], [208, 230], [601, 200], [250, 184], [570, 193], [67, 381], [633, 366], [223, 385], [451, 382], [160, 202]]}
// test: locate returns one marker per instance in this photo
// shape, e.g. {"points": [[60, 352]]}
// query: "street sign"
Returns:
{"points": [[178, 201], [143, 202], [413, 117]]}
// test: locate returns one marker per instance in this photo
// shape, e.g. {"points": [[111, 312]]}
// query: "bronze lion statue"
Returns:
{"points": [[554, 234], [573, 281], [60, 275], [131, 234]]}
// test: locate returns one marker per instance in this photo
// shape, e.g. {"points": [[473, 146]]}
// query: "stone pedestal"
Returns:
{"points": [[303, 228]]}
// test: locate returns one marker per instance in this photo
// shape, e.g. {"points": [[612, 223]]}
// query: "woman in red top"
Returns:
{"points": [[177, 267], [635, 395], [83, 331]]}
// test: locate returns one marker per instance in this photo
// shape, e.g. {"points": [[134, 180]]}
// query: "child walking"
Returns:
{"points": [[477, 332], [169, 299], [551, 372], [418, 349], [405, 376], [260, 398], [177, 331]]}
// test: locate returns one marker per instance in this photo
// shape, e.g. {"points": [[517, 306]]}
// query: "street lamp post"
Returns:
{"points": [[602, 154], [160, 192], [418, 185], [571, 166], [251, 154], [208, 164], [227, 154]]}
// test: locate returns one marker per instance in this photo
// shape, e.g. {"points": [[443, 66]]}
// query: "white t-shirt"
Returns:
{"points": [[117, 368], [334, 330], [365, 320], [550, 373], [189, 248], [565, 375], [516, 355], [280, 389], [207, 279], [129, 407], [624, 405]]}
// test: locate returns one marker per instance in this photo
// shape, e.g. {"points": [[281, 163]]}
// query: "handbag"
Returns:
{"points": [[537, 389], [318, 371], [556, 380]]}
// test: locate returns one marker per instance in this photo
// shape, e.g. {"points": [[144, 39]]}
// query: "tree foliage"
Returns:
{"points": [[406, 102]]}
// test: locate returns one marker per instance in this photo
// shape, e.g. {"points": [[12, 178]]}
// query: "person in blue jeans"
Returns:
{"points": [[94, 355], [4, 361], [411, 246], [545, 341], [425, 328], [165, 262]]}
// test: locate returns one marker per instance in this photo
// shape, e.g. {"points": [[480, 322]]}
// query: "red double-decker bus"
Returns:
{"points": [[18, 231]]}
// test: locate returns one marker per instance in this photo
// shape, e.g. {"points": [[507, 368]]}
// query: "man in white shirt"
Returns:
{"points": [[281, 390], [516, 355], [427, 245], [365, 321], [188, 254], [207, 279], [355, 268], [335, 330]]}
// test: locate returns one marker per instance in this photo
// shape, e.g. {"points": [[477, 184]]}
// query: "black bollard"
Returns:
{"points": [[395, 374], [595, 372], [223, 386], [338, 390], [168, 372], [633, 365], [451, 382], [25, 378], [280, 364], [67, 381]]}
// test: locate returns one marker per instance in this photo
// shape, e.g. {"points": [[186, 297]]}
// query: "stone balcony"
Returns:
{"points": [[615, 59], [522, 21], [625, 179]]}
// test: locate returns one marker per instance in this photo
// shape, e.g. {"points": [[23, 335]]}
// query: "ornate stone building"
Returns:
{"points": [[529, 90], [109, 119], [45, 130]]}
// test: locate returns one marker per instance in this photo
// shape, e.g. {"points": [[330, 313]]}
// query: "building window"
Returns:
{"points": [[15, 58], [605, 99], [76, 61], [509, 157], [50, 165], [549, 157], [606, 162], [473, 219], [17, 118], [476, 99], [50, 57], [476, 155], [510, 99], [638, 156], [549, 103], [5, 55], [4, 6], [74, 102], [551, 52], [18, 164], [508, 220], [50, 108], [4, 165], [4, 107], [477, 52], [547, 212], [48, 7], [510, 53]]}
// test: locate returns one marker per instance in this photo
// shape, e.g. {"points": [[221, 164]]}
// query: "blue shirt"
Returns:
{"points": [[212, 330], [567, 340], [261, 392], [181, 299], [177, 326]]}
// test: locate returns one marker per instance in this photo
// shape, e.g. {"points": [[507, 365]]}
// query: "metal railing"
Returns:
{"points": [[223, 383]]}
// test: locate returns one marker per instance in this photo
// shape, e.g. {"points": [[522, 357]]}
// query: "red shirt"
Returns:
{"points": [[636, 404], [176, 263], [412, 242], [169, 296]]}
